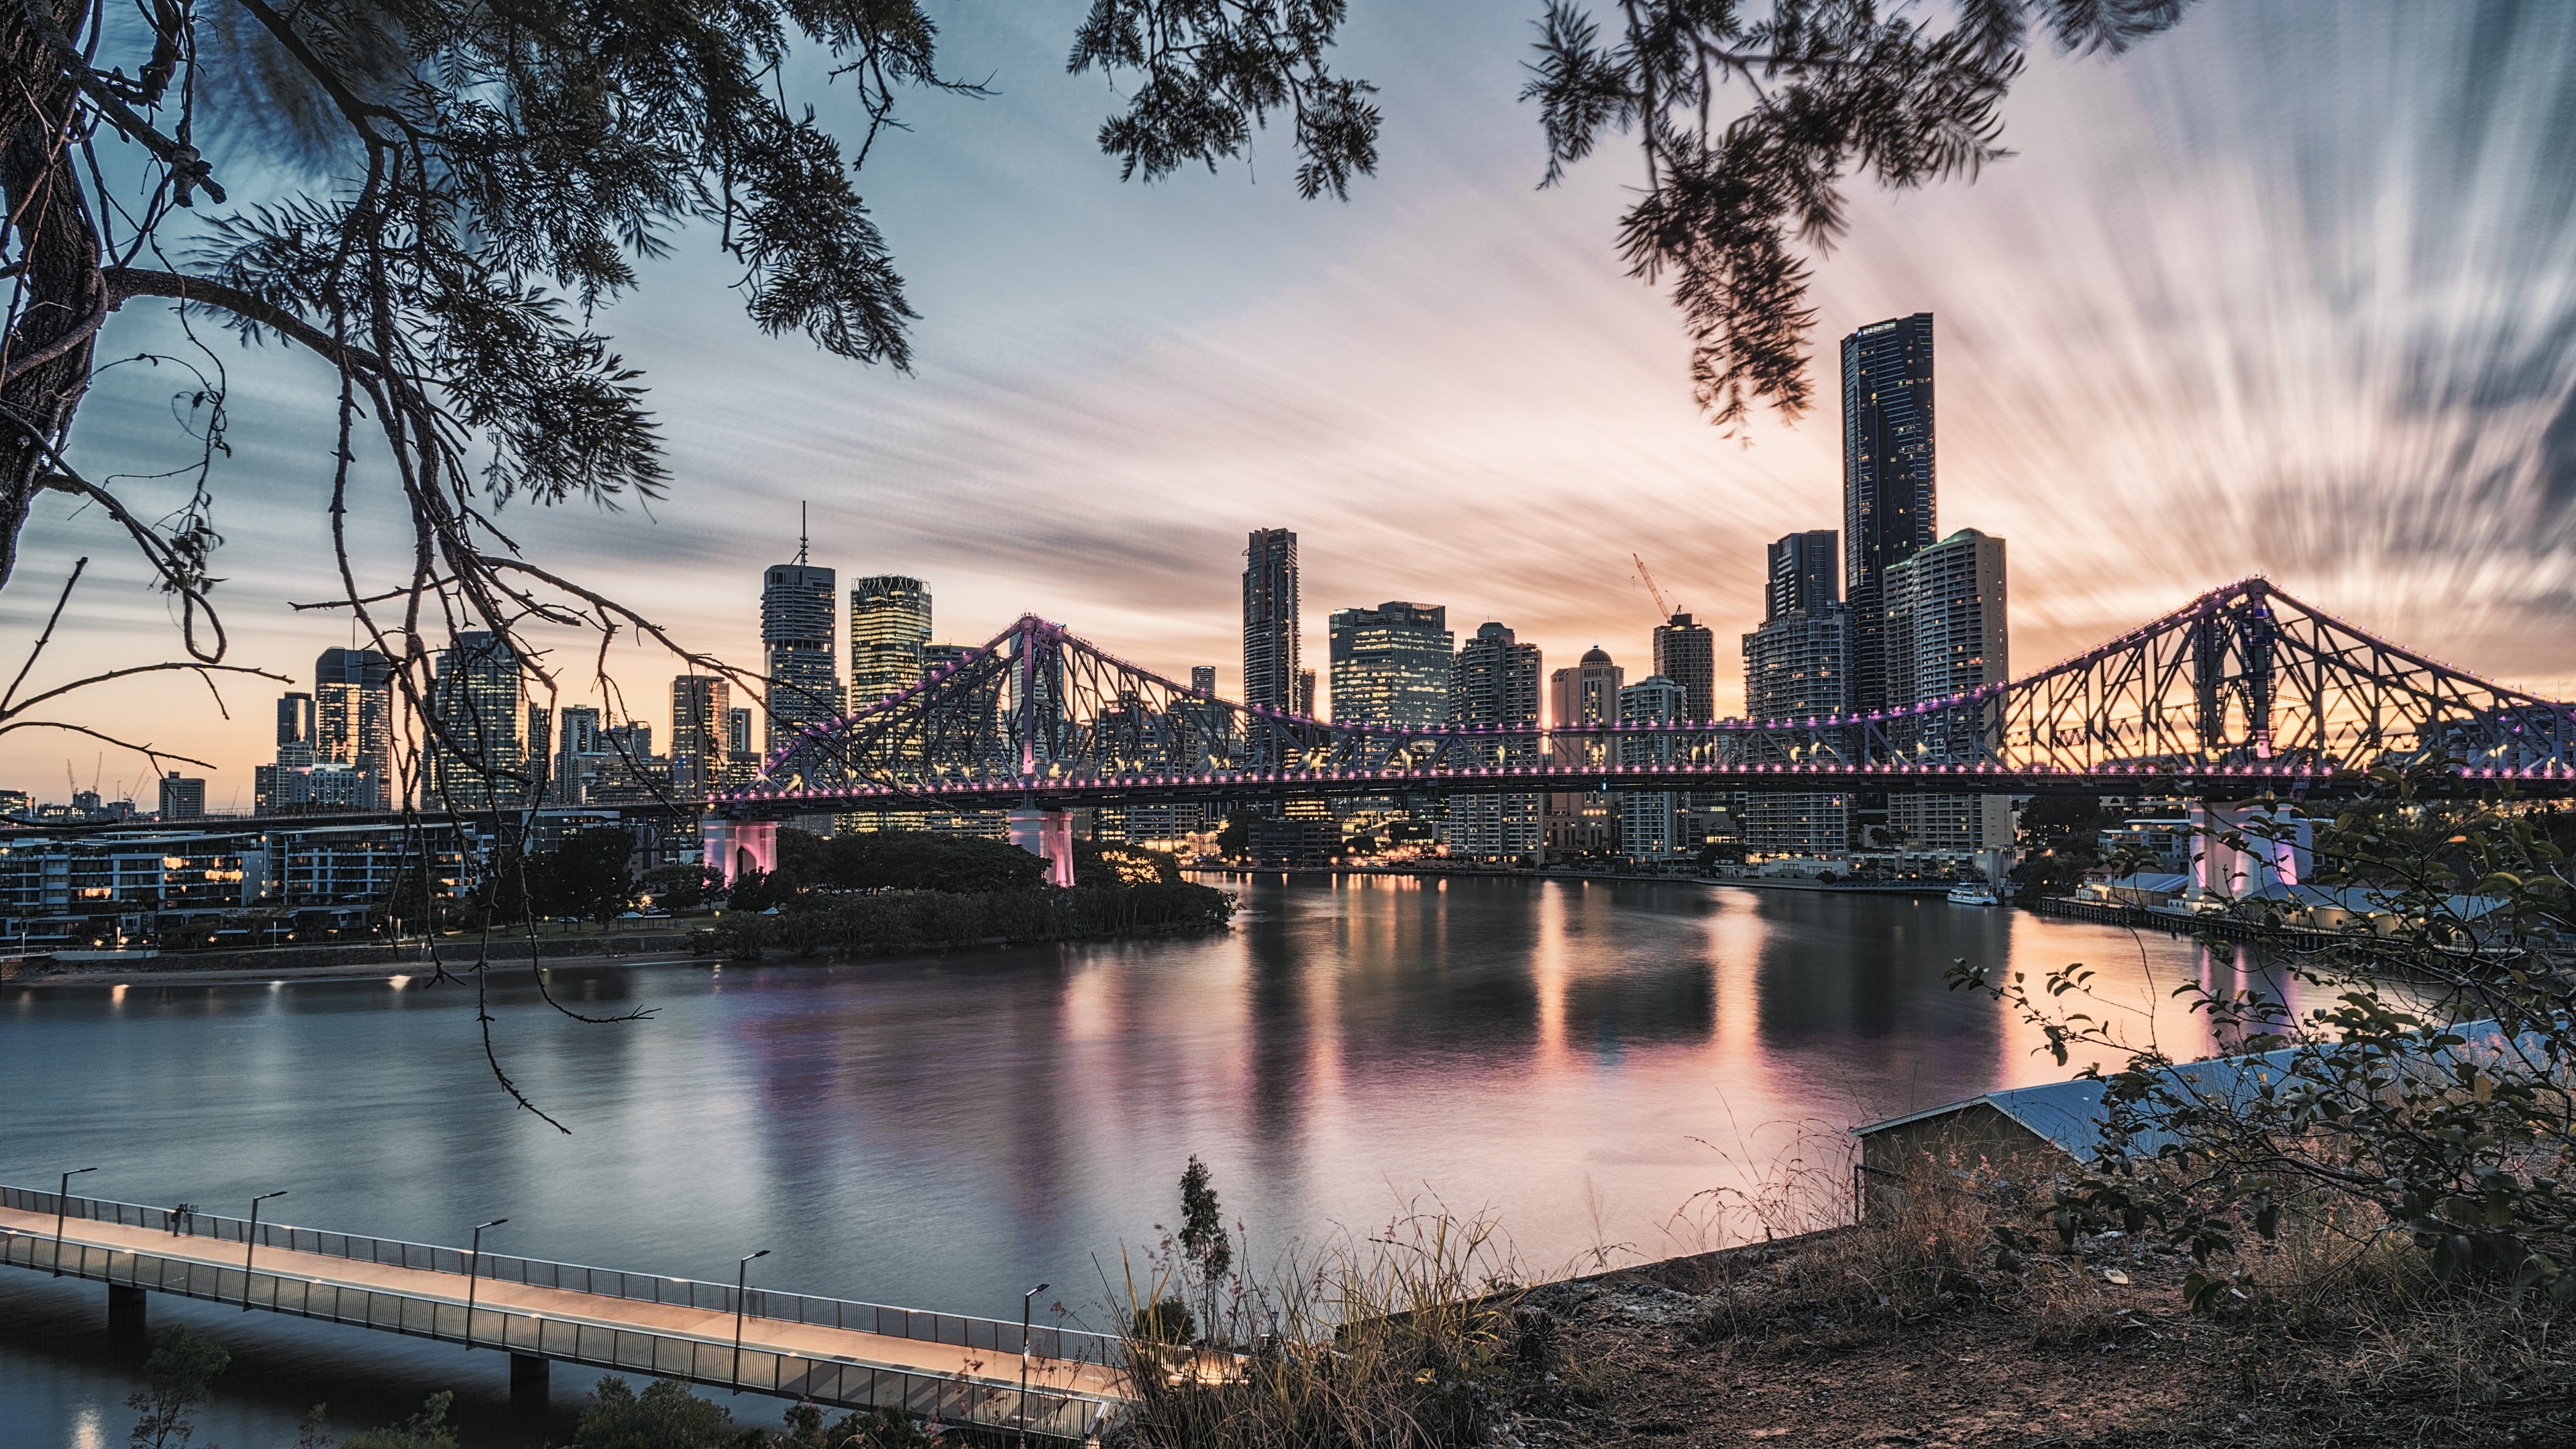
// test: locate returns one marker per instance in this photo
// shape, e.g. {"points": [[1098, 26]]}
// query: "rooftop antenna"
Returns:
{"points": [[800, 533]]}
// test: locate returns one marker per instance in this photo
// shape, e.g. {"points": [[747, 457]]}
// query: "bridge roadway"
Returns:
{"points": [[936, 1366]]}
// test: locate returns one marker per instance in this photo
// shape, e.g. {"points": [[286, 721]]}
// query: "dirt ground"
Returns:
{"points": [[1642, 1365]]}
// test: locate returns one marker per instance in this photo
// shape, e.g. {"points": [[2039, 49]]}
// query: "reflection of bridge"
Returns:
{"points": [[2242, 692], [944, 1366]]}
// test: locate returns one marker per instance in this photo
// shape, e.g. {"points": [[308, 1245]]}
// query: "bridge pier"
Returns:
{"points": [[1046, 833], [529, 1386], [731, 847], [127, 1330], [2275, 851]]}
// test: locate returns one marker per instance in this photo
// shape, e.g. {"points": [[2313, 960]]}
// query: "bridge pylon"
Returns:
{"points": [[1048, 834]]}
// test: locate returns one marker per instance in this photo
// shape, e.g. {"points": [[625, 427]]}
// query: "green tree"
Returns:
{"points": [[179, 1376], [585, 875], [665, 1416], [427, 1429], [1206, 1250]]}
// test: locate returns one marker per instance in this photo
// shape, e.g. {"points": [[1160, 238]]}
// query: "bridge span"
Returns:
{"points": [[954, 1368]]}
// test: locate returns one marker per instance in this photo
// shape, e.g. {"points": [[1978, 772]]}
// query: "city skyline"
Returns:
{"points": [[2139, 331]]}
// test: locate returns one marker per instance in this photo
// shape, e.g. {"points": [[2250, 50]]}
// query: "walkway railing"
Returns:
{"points": [[845, 1383]]}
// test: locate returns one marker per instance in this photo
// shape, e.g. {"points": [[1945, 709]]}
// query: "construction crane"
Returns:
{"points": [[1663, 609]]}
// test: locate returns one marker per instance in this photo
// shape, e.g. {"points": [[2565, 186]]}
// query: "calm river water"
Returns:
{"points": [[1581, 1059]]}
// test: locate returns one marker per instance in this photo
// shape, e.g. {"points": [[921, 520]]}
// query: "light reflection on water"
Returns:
{"points": [[939, 1132]]}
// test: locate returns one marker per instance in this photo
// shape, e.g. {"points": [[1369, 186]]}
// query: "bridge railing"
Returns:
{"points": [[993, 1335], [837, 1383]]}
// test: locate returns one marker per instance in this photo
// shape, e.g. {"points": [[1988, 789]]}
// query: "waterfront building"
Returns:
{"points": [[353, 714], [182, 798], [1947, 634], [1495, 680], [701, 709], [477, 758], [1390, 664], [796, 609], [889, 634], [1270, 659], [1650, 820], [1583, 822], [1888, 493], [1797, 666]]}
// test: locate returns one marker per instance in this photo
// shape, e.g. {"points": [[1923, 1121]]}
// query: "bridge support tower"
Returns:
{"points": [[734, 846], [1047, 833], [128, 1333], [529, 1385], [2273, 849]]}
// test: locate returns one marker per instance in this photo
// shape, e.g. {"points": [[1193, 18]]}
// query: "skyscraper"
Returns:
{"points": [[294, 720], [353, 715], [1796, 666], [1804, 575], [1270, 661], [1494, 680], [476, 758], [1583, 821], [1947, 634], [182, 797], [1887, 481], [1391, 663], [578, 748], [701, 705], [1203, 679], [1686, 654], [889, 629], [796, 609], [1650, 820]]}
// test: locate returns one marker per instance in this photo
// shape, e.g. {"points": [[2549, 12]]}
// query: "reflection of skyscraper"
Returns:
{"points": [[1270, 662], [1887, 481], [353, 713], [1391, 664], [700, 707], [476, 759], [1494, 680], [796, 609], [889, 629]]}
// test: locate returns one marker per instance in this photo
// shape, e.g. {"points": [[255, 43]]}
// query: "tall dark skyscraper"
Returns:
{"points": [[1805, 575], [1686, 654], [796, 610], [353, 704], [1887, 481], [1270, 663]]}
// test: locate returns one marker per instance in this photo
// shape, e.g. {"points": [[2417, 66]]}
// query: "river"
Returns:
{"points": [[1580, 1059]]}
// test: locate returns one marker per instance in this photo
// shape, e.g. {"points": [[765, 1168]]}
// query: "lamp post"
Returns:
{"points": [[62, 1200], [1025, 1300], [474, 1276], [741, 1276], [250, 1242]]}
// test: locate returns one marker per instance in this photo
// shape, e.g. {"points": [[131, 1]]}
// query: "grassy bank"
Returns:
{"points": [[840, 927]]}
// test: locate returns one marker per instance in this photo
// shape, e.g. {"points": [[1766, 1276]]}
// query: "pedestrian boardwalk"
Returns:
{"points": [[836, 1352]]}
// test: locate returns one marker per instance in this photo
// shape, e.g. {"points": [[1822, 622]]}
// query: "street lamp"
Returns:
{"points": [[250, 1242], [62, 1200], [1025, 1300], [741, 1276], [474, 1276]]}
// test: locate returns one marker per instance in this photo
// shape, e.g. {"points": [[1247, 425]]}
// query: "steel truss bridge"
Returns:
{"points": [[2242, 692]]}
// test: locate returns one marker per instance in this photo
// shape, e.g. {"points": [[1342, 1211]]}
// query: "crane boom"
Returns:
{"points": [[1663, 610]]}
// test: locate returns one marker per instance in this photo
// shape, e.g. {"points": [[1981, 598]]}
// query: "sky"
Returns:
{"points": [[2290, 290]]}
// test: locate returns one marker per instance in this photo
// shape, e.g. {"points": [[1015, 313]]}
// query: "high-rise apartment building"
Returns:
{"points": [[796, 609], [738, 732], [1797, 666], [1686, 654], [539, 750], [1203, 679], [1270, 659], [182, 797], [1888, 495], [1583, 822], [1804, 575], [477, 759], [889, 630], [578, 748], [1947, 634], [701, 707], [1650, 820], [1495, 680], [294, 720], [353, 720], [1391, 663]]}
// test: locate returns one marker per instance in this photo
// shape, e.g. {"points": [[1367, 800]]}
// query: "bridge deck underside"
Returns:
{"points": [[835, 1367]]}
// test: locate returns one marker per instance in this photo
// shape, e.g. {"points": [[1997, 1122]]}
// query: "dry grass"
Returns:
{"points": [[1407, 1338]]}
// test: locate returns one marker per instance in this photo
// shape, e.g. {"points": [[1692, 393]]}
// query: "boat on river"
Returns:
{"points": [[1972, 895]]}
